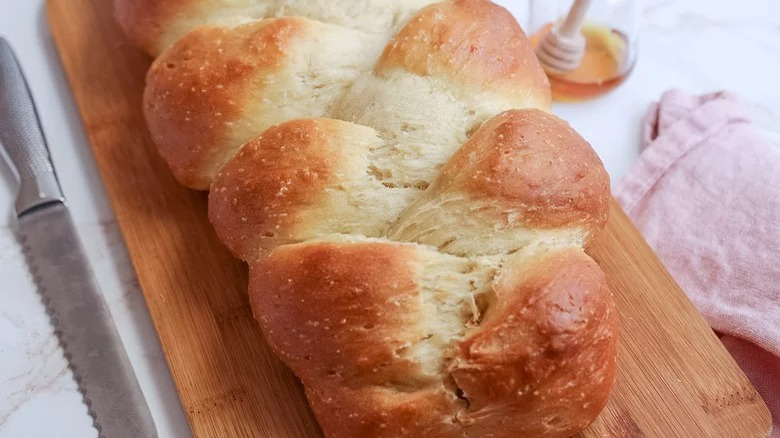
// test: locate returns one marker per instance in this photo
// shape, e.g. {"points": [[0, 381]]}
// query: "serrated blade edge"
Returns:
{"points": [[83, 324]]}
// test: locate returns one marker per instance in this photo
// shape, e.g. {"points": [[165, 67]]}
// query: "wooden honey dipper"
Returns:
{"points": [[563, 47]]}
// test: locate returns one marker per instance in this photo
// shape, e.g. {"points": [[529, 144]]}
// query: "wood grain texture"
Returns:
{"points": [[675, 378]]}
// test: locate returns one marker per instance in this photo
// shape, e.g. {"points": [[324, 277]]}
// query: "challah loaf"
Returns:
{"points": [[412, 216]]}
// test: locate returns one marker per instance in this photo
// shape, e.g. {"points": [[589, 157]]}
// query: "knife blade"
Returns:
{"points": [[56, 258]]}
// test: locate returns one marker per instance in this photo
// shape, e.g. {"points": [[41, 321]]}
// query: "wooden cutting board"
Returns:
{"points": [[675, 378]]}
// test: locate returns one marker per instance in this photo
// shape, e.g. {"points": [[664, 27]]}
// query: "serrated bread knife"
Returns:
{"points": [[78, 311]]}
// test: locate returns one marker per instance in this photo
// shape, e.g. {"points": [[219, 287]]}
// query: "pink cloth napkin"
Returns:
{"points": [[706, 195]]}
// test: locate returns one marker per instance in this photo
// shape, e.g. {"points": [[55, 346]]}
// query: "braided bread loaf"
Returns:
{"points": [[412, 216]]}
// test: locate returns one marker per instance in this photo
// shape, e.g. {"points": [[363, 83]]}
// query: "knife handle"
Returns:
{"points": [[22, 138]]}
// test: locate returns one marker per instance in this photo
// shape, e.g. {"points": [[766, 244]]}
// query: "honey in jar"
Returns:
{"points": [[605, 65]]}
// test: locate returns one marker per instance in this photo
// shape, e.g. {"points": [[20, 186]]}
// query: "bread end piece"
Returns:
{"points": [[386, 342]]}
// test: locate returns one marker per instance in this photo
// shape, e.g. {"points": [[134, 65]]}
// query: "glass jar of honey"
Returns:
{"points": [[610, 32]]}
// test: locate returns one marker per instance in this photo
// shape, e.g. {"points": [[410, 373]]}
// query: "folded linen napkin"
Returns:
{"points": [[706, 195]]}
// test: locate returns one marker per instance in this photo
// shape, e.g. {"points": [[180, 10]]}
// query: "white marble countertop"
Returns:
{"points": [[696, 45]]}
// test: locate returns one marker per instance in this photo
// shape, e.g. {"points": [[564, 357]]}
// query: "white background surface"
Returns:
{"points": [[696, 45]]}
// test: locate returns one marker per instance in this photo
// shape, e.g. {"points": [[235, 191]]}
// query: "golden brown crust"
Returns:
{"points": [[258, 195], [340, 314], [470, 42], [337, 323], [341, 326], [536, 165], [543, 361], [385, 413], [197, 90], [299, 180]]}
